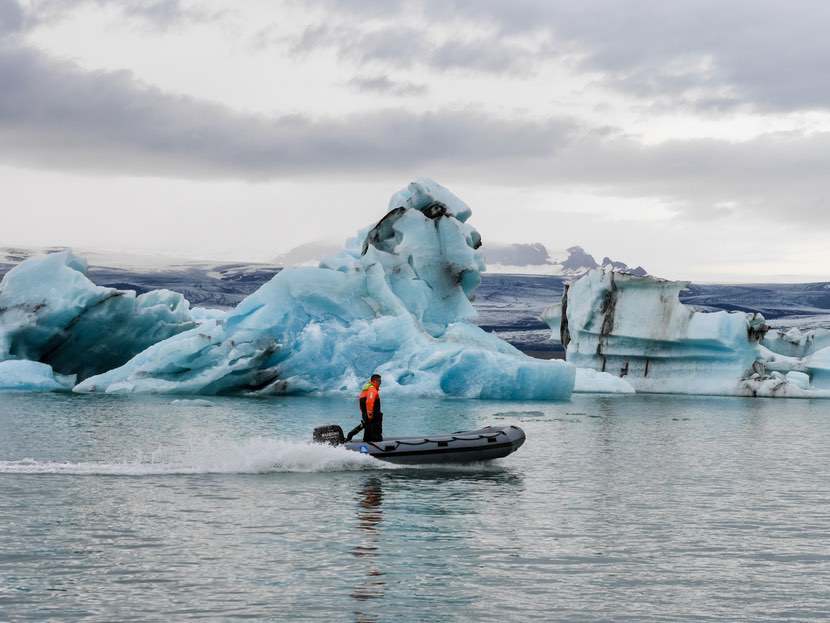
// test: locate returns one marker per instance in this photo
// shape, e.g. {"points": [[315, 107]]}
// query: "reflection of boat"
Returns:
{"points": [[484, 444]]}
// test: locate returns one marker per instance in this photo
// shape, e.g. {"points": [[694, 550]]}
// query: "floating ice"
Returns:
{"points": [[32, 376], [795, 342], [818, 366], [202, 314], [591, 381], [396, 301], [52, 313], [636, 328]]}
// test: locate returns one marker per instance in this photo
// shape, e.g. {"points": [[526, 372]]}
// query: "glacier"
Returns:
{"points": [[635, 328], [396, 301], [50, 312]]}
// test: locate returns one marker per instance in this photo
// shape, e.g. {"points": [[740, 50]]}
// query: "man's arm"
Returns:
{"points": [[371, 397]]}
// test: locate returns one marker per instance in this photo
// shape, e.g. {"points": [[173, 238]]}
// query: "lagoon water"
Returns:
{"points": [[641, 508]]}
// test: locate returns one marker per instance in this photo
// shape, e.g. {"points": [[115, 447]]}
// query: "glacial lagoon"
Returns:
{"points": [[638, 507]]}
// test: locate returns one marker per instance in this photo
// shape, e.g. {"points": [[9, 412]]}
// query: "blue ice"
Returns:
{"points": [[395, 301], [51, 312]]}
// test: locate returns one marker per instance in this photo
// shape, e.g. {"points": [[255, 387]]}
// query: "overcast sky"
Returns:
{"points": [[692, 137]]}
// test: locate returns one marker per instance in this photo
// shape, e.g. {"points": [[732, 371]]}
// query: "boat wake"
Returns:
{"points": [[258, 455]]}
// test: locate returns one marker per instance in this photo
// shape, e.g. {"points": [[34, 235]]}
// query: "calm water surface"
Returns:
{"points": [[641, 508]]}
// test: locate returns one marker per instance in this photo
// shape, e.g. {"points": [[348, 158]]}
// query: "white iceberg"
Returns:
{"points": [[51, 312], [395, 301], [636, 328], [32, 376]]}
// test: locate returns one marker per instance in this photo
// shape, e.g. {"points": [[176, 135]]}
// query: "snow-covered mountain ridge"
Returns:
{"points": [[511, 258]]}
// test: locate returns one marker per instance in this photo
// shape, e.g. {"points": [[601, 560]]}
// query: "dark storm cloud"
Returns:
{"points": [[53, 114], [772, 55]]}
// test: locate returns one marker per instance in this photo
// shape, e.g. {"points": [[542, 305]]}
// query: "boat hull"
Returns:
{"points": [[484, 444]]}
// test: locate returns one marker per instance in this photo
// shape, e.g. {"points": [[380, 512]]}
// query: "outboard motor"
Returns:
{"points": [[331, 434]]}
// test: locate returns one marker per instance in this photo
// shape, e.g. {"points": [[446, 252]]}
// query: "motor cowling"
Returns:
{"points": [[331, 434]]}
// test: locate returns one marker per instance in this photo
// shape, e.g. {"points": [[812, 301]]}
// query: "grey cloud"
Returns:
{"points": [[483, 54], [385, 85], [404, 47], [159, 14], [54, 115], [780, 176], [773, 55], [11, 16]]}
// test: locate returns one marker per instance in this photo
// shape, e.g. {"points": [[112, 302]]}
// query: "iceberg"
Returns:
{"points": [[52, 313], [32, 376], [635, 328], [396, 301]]}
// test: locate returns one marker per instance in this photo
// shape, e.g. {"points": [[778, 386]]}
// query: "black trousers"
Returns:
{"points": [[373, 429]]}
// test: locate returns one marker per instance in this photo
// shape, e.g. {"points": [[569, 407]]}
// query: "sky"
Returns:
{"points": [[691, 137]]}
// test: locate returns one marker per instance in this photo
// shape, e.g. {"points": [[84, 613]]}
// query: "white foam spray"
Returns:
{"points": [[255, 455]]}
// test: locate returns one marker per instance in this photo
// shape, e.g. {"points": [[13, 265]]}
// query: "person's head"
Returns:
{"points": [[375, 380]]}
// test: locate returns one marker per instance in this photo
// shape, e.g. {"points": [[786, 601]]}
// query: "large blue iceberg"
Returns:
{"points": [[395, 301], [50, 312]]}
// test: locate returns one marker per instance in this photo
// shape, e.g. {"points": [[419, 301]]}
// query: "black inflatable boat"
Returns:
{"points": [[484, 444]]}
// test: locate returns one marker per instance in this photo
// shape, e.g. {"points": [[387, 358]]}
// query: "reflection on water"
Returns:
{"points": [[369, 517]]}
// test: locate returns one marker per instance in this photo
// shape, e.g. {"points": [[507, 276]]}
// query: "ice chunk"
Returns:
{"points": [[32, 376], [818, 366], [591, 381], [636, 327], [51, 312], [430, 197], [799, 379], [794, 342], [778, 385], [201, 314], [552, 316], [396, 301]]}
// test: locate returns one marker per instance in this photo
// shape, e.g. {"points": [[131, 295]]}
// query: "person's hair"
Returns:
{"points": [[375, 376]]}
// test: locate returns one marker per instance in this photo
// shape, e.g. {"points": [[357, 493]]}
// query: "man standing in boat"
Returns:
{"points": [[371, 417]]}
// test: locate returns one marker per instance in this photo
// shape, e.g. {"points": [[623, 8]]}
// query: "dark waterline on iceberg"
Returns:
{"points": [[617, 508]]}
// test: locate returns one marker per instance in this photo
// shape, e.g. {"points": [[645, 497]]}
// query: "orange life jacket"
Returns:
{"points": [[369, 400]]}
